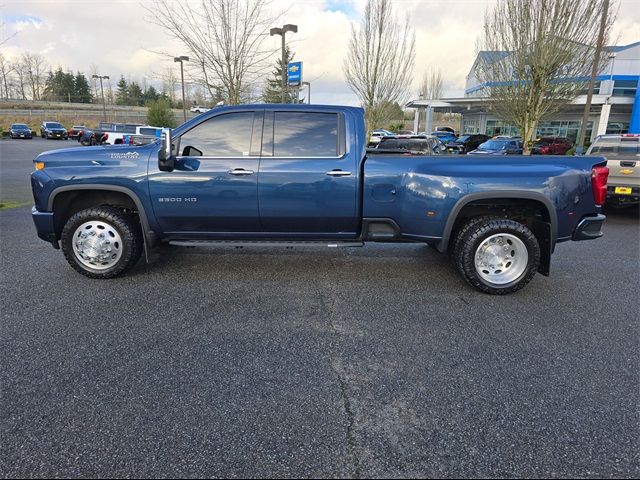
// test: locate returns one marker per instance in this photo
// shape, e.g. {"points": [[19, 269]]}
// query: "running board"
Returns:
{"points": [[258, 243]]}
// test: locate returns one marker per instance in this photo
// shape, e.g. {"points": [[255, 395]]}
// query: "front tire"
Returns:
{"points": [[102, 242], [496, 255]]}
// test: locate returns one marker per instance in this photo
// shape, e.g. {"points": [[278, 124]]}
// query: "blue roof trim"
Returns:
{"points": [[598, 78]]}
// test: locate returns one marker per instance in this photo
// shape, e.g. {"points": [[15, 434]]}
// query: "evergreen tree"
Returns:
{"points": [[273, 90], [160, 114], [150, 94], [59, 86], [82, 89], [136, 97], [122, 93]]}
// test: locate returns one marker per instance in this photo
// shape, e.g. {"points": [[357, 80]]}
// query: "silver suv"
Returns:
{"points": [[623, 159]]}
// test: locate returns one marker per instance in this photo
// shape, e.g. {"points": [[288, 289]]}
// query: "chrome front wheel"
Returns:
{"points": [[97, 245]]}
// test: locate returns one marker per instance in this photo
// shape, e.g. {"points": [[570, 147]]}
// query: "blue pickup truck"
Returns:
{"points": [[301, 174]]}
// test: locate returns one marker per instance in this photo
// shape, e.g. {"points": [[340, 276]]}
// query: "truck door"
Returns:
{"points": [[214, 187], [308, 177]]}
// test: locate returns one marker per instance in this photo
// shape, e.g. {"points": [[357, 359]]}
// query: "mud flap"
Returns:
{"points": [[542, 231]]}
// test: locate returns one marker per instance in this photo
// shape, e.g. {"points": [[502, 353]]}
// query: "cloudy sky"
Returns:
{"points": [[117, 38]]}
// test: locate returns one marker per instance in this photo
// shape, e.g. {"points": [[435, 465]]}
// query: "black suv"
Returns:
{"points": [[466, 143], [413, 145], [53, 130]]}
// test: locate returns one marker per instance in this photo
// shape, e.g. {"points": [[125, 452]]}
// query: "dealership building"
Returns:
{"points": [[615, 106]]}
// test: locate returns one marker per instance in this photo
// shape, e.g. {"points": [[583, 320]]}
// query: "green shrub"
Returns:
{"points": [[160, 114]]}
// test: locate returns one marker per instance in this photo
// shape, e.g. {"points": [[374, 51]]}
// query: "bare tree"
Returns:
{"points": [[431, 86], [6, 70], [379, 63], [20, 79], [223, 38], [537, 57], [34, 66]]}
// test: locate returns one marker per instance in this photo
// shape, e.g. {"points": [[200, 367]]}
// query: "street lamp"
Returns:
{"points": [[104, 109], [182, 59], [282, 31], [309, 87]]}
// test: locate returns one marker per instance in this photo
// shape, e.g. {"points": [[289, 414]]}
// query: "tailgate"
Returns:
{"points": [[624, 171]]}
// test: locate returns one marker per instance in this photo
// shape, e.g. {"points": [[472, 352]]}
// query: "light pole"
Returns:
{"points": [[182, 59], [309, 87], [612, 57], [282, 31], [594, 73], [104, 109]]}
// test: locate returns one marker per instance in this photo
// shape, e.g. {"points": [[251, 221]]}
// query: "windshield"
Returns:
{"points": [[463, 139], [19, 126], [495, 145], [53, 125]]}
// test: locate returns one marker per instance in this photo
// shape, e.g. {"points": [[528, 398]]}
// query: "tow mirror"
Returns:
{"points": [[166, 160]]}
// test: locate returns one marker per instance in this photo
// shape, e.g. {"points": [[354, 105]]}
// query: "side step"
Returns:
{"points": [[259, 243]]}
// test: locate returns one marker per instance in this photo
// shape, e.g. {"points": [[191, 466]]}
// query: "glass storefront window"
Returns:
{"points": [[617, 128], [554, 128], [625, 88]]}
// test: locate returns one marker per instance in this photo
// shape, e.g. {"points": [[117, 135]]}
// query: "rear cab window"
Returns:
{"points": [[304, 134]]}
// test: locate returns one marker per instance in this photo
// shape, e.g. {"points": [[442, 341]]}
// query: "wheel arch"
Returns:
{"points": [[103, 192], [545, 229]]}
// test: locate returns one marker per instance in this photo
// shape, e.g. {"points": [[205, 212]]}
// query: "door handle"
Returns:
{"points": [[338, 173], [240, 172]]}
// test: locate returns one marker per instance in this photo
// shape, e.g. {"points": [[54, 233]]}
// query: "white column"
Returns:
{"points": [[429, 120], [416, 120], [602, 121]]}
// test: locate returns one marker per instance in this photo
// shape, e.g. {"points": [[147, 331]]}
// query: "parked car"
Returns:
{"points": [[551, 146], [114, 133], [53, 130], [445, 129], [20, 130], [199, 109], [405, 132], [376, 135], [623, 159], [75, 131], [89, 138], [500, 146], [445, 137], [414, 145], [466, 143], [212, 180]]}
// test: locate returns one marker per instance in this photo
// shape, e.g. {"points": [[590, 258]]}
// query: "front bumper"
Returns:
{"points": [[589, 228], [45, 226]]}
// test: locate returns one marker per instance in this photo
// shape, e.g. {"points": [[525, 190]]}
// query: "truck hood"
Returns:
{"points": [[104, 155]]}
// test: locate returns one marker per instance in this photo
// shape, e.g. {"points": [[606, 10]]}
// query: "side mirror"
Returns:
{"points": [[166, 160]]}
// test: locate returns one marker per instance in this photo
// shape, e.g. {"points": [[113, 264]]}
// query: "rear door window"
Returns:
{"points": [[306, 134]]}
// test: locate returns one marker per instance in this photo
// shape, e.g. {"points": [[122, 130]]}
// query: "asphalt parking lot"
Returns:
{"points": [[371, 362]]}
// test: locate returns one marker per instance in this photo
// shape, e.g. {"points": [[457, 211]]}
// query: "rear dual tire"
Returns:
{"points": [[496, 255]]}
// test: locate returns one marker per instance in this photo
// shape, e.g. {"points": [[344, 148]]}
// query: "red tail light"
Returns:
{"points": [[599, 176]]}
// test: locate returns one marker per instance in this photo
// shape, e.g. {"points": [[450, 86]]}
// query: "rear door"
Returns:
{"points": [[307, 184]]}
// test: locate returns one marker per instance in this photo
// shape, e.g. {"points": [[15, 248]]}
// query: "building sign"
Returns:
{"points": [[294, 73]]}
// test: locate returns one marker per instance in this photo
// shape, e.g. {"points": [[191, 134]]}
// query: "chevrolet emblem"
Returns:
{"points": [[626, 171]]}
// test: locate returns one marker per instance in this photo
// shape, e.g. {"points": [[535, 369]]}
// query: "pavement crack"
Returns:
{"points": [[351, 441], [330, 307]]}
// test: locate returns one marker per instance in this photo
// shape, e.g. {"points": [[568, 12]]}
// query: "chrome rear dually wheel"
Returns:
{"points": [[496, 255]]}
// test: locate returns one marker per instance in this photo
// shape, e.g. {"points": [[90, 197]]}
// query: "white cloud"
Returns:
{"points": [[117, 37]]}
